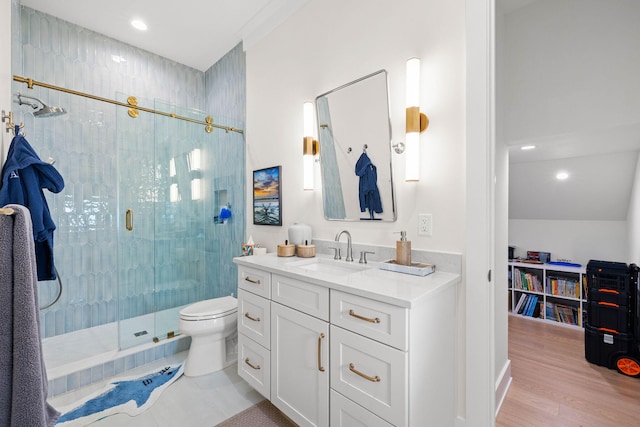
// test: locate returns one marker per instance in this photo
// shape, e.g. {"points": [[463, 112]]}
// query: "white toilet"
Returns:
{"points": [[209, 323]]}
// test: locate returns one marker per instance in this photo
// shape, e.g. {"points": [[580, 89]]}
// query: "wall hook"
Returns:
{"points": [[398, 147]]}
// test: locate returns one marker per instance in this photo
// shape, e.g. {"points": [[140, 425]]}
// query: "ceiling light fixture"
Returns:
{"points": [[527, 147], [139, 25], [561, 176]]}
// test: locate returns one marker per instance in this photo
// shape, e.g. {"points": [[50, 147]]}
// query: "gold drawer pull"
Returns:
{"points": [[256, 367], [366, 319], [250, 317], [320, 367], [255, 282], [353, 369]]}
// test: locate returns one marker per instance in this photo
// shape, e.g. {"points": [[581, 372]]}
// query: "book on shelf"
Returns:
{"points": [[537, 308], [527, 281], [562, 313], [521, 301], [525, 307], [532, 307], [529, 306], [565, 287]]}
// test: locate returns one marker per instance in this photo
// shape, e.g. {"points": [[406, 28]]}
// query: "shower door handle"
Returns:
{"points": [[129, 219]]}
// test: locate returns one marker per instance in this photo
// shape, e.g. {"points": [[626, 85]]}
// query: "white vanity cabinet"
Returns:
{"points": [[254, 330], [300, 350], [371, 349], [300, 366]]}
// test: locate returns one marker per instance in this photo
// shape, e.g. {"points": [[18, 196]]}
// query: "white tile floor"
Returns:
{"points": [[189, 402]]}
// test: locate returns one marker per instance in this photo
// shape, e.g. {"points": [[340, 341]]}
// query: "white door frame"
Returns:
{"points": [[480, 231]]}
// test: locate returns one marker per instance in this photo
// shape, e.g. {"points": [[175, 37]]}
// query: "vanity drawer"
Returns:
{"points": [[254, 280], [380, 321], [371, 374], [346, 413], [254, 365], [306, 297], [254, 317]]}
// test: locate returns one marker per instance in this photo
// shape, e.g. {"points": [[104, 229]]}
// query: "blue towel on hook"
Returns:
{"points": [[24, 176], [368, 186]]}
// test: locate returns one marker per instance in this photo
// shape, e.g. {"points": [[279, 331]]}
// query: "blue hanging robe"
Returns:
{"points": [[368, 186], [24, 176]]}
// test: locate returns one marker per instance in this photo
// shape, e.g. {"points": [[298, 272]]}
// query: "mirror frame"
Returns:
{"points": [[394, 215]]}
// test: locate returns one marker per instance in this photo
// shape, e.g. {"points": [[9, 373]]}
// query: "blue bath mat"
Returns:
{"points": [[132, 396]]}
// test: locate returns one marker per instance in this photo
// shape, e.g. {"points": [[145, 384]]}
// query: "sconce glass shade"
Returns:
{"points": [[412, 151], [195, 163], [196, 193], [174, 194], [413, 83], [309, 147], [412, 167]]}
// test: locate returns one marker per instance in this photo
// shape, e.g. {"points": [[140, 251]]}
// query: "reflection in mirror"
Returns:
{"points": [[354, 134]]}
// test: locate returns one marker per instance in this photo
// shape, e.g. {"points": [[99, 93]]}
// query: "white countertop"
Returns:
{"points": [[400, 289]]}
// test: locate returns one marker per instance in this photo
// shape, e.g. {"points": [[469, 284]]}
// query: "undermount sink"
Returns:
{"points": [[322, 265]]}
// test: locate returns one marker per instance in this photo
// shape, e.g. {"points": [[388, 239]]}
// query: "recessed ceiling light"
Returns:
{"points": [[139, 25], [527, 147], [562, 176]]}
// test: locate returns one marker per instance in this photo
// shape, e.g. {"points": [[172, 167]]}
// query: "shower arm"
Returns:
{"points": [[34, 106]]}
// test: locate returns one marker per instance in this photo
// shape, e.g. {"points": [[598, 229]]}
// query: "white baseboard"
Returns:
{"points": [[502, 385]]}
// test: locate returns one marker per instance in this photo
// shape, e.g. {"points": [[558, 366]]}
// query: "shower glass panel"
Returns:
{"points": [[161, 220], [179, 214]]}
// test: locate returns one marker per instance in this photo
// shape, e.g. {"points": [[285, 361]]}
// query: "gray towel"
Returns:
{"points": [[23, 377]]}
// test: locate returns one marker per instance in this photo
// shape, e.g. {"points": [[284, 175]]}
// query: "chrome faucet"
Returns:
{"points": [[349, 257]]}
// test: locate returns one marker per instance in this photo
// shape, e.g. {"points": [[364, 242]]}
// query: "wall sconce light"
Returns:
{"points": [[196, 193], [309, 146], [174, 194], [195, 162], [416, 122]]}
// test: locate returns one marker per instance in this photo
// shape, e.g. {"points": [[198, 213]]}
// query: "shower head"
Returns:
{"points": [[44, 111], [48, 111]]}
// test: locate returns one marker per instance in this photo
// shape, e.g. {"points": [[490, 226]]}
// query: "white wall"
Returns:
{"points": [[566, 60], [329, 43], [578, 241], [580, 61], [332, 42], [633, 220]]}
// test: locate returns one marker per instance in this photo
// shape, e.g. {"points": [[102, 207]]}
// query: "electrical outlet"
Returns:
{"points": [[425, 224]]}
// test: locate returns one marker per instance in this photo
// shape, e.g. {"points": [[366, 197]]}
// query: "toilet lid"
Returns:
{"points": [[211, 308]]}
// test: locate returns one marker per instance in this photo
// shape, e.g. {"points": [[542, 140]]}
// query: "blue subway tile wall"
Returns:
{"points": [[104, 155], [226, 100]]}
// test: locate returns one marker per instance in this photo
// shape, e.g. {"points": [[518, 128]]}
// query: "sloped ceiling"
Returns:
{"points": [[568, 74], [191, 32]]}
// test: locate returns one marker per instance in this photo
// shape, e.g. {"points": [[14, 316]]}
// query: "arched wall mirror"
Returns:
{"points": [[354, 133]]}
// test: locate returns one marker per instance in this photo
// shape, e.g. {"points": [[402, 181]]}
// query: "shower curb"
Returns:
{"points": [[66, 382]]}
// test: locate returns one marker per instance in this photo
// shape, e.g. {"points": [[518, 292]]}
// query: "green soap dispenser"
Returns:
{"points": [[403, 250]]}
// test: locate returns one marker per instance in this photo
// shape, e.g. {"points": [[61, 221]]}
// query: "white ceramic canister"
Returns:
{"points": [[299, 234]]}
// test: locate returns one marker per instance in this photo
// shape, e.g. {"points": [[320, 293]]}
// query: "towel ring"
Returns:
{"points": [[59, 292]]}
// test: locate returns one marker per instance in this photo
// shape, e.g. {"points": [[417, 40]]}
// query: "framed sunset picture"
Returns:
{"points": [[267, 206]]}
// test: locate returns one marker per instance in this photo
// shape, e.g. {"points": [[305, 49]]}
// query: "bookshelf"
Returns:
{"points": [[553, 293]]}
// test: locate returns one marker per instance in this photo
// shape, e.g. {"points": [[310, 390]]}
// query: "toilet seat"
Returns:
{"points": [[210, 309]]}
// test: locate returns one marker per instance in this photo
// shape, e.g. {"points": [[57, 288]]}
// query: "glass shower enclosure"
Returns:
{"points": [[161, 220]]}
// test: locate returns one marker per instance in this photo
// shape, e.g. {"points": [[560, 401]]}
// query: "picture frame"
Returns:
{"points": [[267, 196]]}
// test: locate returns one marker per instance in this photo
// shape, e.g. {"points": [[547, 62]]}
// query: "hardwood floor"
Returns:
{"points": [[554, 385]]}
